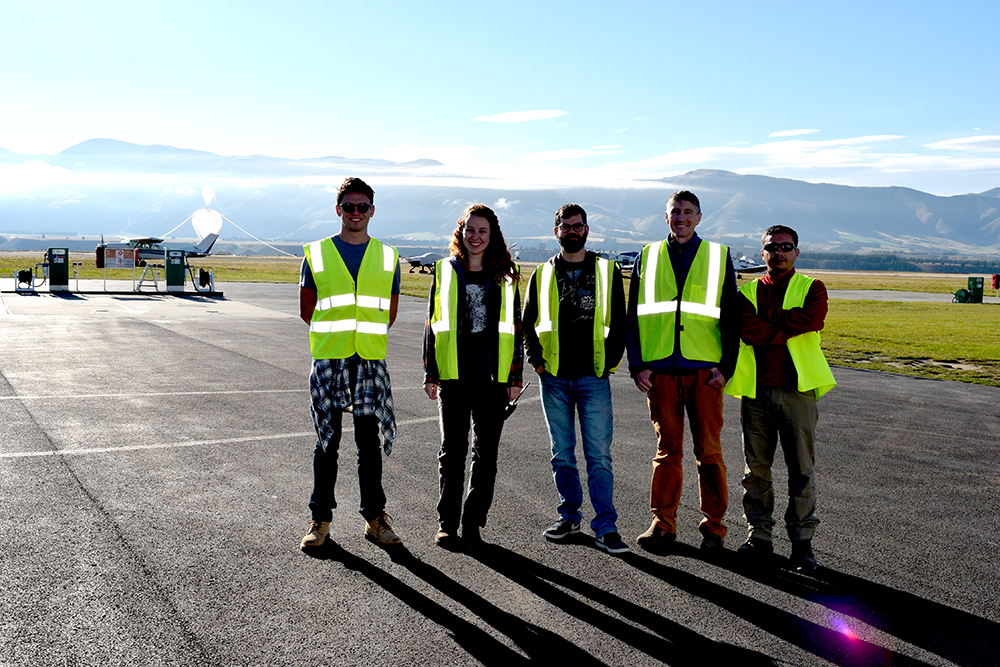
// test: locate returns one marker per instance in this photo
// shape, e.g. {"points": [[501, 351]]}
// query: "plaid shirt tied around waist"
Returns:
{"points": [[330, 388]]}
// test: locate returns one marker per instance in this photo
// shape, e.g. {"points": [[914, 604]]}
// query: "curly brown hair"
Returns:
{"points": [[496, 260]]}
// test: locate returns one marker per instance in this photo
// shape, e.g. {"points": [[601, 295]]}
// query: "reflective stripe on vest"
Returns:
{"points": [[698, 309], [807, 356], [547, 321], [345, 321], [444, 323]]}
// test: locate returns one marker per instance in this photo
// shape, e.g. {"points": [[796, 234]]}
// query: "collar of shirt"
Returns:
{"points": [[768, 279]]}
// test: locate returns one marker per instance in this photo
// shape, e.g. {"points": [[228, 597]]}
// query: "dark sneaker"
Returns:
{"points": [[711, 544], [803, 559], [656, 539], [612, 543], [756, 549], [561, 529], [471, 537]]}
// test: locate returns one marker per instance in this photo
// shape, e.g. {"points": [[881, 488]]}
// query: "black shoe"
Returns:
{"points": [[612, 543], [802, 558], [757, 550], [471, 536], [561, 529], [711, 545]]}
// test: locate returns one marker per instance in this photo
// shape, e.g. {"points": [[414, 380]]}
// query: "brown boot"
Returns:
{"points": [[378, 530], [656, 538], [318, 531]]}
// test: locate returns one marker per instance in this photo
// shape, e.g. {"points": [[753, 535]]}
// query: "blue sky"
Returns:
{"points": [[540, 93]]}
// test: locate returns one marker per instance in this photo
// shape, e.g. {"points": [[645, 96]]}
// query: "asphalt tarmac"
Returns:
{"points": [[155, 468]]}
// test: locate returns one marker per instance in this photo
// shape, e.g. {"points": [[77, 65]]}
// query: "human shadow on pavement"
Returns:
{"points": [[539, 644], [837, 647], [953, 634], [658, 637]]}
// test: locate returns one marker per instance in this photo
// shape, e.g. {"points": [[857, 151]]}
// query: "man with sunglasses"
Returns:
{"points": [[682, 340], [348, 295], [780, 375], [574, 318]]}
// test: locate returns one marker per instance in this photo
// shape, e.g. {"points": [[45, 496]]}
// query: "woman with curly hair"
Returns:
{"points": [[473, 363]]}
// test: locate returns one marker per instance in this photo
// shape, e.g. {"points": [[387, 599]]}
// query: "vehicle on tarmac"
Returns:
{"points": [[422, 261], [746, 265], [207, 224]]}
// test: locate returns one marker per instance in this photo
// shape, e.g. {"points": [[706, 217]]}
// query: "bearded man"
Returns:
{"points": [[574, 335]]}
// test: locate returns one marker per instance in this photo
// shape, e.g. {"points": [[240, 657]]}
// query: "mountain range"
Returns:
{"points": [[110, 187]]}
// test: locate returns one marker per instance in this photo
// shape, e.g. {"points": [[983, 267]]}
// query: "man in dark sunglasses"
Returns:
{"points": [[348, 295], [780, 375]]}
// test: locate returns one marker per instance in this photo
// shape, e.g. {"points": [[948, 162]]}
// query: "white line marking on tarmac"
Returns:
{"points": [[192, 443], [42, 397]]}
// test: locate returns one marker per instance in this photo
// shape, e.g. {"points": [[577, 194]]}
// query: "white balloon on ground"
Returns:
{"points": [[206, 221]]}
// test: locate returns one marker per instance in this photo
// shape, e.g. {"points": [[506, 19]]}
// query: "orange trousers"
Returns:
{"points": [[670, 396]]}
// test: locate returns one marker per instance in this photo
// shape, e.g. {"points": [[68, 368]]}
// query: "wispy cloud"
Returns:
{"points": [[520, 116], [565, 154], [624, 129], [504, 204], [798, 152], [791, 133], [982, 143]]}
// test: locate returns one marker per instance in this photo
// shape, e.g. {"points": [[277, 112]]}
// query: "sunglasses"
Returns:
{"points": [[576, 227], [349, 208], [783, 247]]}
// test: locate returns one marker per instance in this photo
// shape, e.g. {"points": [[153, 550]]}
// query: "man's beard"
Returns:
{"points": [[572, 244]]}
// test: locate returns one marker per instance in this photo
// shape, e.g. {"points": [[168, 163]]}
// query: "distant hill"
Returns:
{"points": [[113, 187]]}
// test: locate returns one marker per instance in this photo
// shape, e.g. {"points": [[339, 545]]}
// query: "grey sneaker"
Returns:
{"points": [[561, 529], [318, 531], [612, 543]]}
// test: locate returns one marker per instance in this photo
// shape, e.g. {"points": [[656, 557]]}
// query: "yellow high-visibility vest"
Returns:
{"points": [[807, 356], [547, 320], [444, 323], [698, 307], [351, 317]]}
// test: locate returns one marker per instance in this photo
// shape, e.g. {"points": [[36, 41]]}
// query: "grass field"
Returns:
{"points": [[940, 340]]}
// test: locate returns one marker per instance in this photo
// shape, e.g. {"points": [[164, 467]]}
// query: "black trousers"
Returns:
{"points": [[323, 500], [483, 403]]}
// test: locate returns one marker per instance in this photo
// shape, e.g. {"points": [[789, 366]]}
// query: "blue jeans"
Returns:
{"points": [[591, 397]]}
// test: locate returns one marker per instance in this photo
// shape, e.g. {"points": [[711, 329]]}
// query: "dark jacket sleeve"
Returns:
{"points": [[517, 363], [430, 360], [532, 346], [614, 344], [729, 321], [632, 321]]}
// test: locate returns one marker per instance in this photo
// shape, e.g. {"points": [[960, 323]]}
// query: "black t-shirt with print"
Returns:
{"points": [[474, 335]]}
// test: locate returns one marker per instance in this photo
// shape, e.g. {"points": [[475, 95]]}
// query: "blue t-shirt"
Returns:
{"points": [[352, 255]]}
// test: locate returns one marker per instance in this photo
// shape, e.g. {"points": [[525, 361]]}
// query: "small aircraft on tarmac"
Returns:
{"points": [[207, 223], [148, 248], [422, 261], [746, 265], [742, 265]]}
